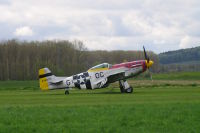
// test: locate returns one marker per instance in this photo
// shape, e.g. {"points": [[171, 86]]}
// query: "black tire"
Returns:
{"points": [[129, 90], [66, 92], [122, 90]]}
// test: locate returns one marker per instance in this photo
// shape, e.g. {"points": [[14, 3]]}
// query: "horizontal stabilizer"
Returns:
{"points": [[49, 81], [56, 82]]}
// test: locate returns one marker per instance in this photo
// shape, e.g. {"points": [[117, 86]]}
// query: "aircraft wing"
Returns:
{"points": [[115, 77]]}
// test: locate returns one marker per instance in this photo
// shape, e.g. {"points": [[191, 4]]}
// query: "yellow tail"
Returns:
{"points": [[44, 73]]}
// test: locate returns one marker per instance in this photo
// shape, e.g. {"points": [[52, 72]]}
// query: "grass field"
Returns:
{"points": [[178, 76], [158, 106]]}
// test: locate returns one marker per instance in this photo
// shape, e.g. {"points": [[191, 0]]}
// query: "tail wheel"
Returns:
{"points": [[66, 92]]}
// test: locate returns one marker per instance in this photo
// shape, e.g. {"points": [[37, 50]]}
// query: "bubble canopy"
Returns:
{"points": [[103, 65]]}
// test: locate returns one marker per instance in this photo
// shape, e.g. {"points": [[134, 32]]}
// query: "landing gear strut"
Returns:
{"points": [[125, 87], [66, 92]]}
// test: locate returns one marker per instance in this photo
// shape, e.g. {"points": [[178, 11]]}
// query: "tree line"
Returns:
{"points": [[21, 60], [180, 60], [180, 56]]}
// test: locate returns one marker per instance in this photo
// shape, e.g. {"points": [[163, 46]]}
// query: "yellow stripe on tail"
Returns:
{"points": [[43, 80]]}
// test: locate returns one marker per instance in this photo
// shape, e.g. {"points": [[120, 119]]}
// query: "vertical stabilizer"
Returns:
{"points": [[44, 76]]}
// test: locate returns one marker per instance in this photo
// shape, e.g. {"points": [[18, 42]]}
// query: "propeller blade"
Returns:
{"points": [[148, 61], [145, 54]]}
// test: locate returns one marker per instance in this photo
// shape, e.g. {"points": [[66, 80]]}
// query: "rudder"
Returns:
{"points": [[44, 75]]}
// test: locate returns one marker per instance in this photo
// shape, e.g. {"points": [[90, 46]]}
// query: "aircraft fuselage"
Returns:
{"points": [[96, 78]]}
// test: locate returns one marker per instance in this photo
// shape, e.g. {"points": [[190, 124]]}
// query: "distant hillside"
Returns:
{"points": [[190, 55], [183, 60]]}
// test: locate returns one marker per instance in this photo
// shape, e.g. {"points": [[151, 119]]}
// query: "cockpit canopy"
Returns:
{"points": [[103, 65]]}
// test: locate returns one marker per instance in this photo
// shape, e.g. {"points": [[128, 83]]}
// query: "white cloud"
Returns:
{"points": [[188, 41], [122, 24], [136, 23], [23, 31]]}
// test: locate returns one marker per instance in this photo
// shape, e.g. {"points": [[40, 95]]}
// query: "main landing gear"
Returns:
{"points": [[66, 92], [125, 87]]}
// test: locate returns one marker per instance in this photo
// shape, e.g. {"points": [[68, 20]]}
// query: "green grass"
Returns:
{"points": [[177, 117], [171, 103], [177, 76], [158, 106], [170, 76], [19, 85]]}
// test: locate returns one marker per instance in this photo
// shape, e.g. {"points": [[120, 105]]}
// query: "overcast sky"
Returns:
{"points": [[105, 24]]}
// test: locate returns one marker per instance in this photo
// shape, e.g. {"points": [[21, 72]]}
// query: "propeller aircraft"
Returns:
{"points": [[99, 76]]}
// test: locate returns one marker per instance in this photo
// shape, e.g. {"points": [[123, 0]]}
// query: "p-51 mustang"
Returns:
{"points": [[99, 76]]}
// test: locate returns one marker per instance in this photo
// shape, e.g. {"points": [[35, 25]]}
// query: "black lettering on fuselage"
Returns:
{"points": [[68, 82], [99, 75]]}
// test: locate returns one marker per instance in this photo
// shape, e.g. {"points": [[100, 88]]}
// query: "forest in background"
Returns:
{"points": [[180, 60], [180, 56], [21, 60]]}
